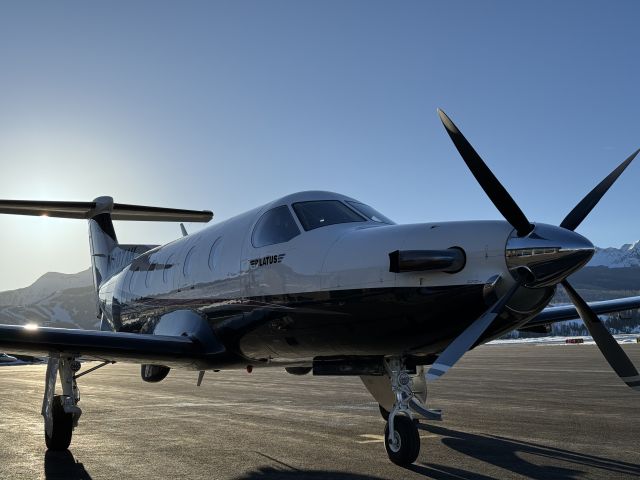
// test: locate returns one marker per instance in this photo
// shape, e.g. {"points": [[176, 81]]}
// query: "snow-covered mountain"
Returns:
{"points": [[55, 299], [628, 255], [45, 286]]}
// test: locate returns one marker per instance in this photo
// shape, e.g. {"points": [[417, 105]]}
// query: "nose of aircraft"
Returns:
{"points": [[549, 253]]}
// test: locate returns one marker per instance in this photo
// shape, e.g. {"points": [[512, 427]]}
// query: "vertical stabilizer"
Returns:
{"points": [[108, 257], [102, 240]]}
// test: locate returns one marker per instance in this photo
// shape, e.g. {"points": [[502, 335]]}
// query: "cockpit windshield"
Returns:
{"points": [[370, 212], [320, 213]]}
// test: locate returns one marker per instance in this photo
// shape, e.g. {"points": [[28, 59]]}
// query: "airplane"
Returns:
{"points": [[318, 282], [8, 360], [18, 360]]}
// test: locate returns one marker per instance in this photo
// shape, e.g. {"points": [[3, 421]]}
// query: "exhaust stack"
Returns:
{"points": [[451, 260]]}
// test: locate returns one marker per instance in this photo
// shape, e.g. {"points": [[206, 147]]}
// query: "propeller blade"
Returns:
{"points": [[466, 339], [580, 211], [612, 352], [487, 180]]}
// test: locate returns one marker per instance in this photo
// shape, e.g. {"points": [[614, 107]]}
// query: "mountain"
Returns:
{"points": [[48, 284], [54, 300], [628, 255]]}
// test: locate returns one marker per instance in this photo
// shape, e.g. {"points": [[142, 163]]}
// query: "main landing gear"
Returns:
{"points": [[61, 412], [402, 440]]}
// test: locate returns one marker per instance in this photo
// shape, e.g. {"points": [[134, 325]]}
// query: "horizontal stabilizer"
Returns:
{"points": [[86, 210]]}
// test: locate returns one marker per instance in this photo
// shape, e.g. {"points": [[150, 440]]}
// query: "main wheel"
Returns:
{"points": [[62, 430], [406, 447]]}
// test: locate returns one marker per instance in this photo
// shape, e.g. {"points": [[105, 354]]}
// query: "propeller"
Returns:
{"points": [[470, 336], [580, 211], [612, 352], [487, 180]]}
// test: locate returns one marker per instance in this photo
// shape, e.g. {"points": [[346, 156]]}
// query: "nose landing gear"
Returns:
{"points": [[402, 440]]}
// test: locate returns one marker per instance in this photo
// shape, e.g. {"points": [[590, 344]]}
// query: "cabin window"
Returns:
{"points": [[370, 212], [275, 226], [165, 270], [321, 213], [186, 267], [214, 253]]}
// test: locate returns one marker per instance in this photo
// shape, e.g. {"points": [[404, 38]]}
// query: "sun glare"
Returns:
{"points": [[31, 326]]}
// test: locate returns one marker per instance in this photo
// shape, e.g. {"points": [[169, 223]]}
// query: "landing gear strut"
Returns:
{"points": [[402, 440], [61, 412]]}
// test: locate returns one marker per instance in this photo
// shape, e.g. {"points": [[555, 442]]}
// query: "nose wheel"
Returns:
{"points": [[402, 440], [403, 445]]}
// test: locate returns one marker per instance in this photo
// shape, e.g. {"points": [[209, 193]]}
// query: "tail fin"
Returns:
{"points": [[107, 255]]}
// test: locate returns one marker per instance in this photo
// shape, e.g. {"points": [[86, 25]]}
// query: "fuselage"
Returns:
{"points": [[304, 290]]}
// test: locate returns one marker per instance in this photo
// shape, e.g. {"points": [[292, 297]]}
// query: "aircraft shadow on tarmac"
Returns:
{"points": [[289, 473], [62, 466], [499, 451], [270, 473], [507, 453]]}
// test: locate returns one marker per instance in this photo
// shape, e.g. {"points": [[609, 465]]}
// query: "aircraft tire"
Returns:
{"points": [[298, 370], [409, 441], [60, 438]]}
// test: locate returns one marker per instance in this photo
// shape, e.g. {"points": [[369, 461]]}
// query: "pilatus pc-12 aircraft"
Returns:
{"points": [[318, 282]]}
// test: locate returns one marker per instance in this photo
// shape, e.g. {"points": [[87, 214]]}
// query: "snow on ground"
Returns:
{"points": [[621, 338]]}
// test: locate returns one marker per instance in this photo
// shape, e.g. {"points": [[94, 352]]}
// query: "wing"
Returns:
{"points": [[173, 351], [568, 312]]}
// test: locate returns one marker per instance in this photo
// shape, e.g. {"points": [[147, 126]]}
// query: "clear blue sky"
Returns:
{"points": [[227, 105]]}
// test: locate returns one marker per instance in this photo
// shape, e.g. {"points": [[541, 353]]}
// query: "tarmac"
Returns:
{"points": [[516, 411]]}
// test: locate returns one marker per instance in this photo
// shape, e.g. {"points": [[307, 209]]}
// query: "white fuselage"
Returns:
{"points": [[222, 275]]}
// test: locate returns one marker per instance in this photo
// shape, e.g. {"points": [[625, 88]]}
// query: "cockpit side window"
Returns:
{"points": [[320, 213], [370, 212], [275, 226]]}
